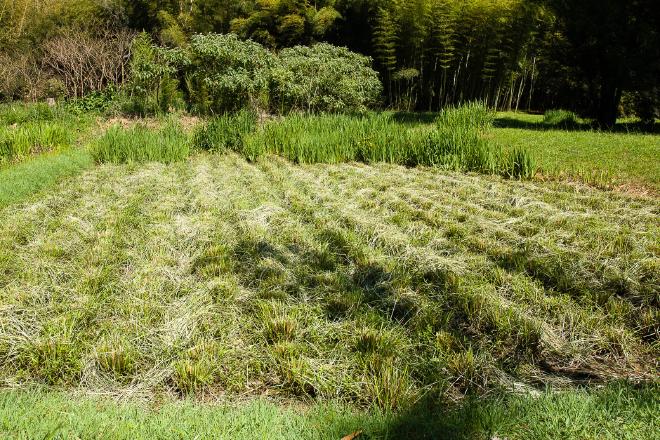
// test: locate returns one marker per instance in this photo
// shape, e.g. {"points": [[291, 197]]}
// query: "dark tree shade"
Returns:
{"points": [[615, 44]]}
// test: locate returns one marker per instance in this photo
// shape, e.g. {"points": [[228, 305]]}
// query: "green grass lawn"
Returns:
{"points": [[605, 158], [26, 179], [616, 412]]}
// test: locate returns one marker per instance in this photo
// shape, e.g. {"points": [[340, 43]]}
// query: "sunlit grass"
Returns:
{"points": [[27, 179], [139, 144], [608, 159], [455, 141], [377, 285], [615, 412]]}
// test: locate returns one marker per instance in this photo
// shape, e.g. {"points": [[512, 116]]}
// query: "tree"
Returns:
{"points": [[616, 44]]}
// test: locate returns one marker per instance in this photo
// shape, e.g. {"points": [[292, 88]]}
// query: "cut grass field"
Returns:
{"points": [[371, 295], [368, 284], [623, 158]]}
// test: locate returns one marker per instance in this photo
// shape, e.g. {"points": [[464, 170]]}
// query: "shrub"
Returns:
{"points": [[152, 87], [142, 144], [225, 132], [560, 118], [323, 78], [99, 100], [227, 74]]}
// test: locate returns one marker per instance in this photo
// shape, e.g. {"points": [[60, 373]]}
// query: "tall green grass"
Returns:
{"points": [[560, 118], [225, 132], [142, 144], [32, 138], [457, 141], [19, 113]]}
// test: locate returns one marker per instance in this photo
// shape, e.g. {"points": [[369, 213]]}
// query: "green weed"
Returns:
{"points": [[142, 144], [32, 138], [457, 142], [560, 118], [225, 132], [16, 113]]}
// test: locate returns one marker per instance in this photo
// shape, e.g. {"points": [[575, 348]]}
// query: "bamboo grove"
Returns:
{"points": [[437, 52]]}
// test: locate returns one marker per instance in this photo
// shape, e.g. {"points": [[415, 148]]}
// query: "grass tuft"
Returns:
{"points": [[560, 118]]}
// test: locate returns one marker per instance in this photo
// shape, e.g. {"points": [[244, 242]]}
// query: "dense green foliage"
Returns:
{"points": [[151, 87], [221, 73], [228, 73], [586, 56], [324, 78]]}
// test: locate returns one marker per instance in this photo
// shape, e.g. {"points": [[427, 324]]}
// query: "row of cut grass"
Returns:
{"points": [[376, 285]]}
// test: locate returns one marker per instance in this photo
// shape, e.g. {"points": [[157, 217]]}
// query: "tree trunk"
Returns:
{"points": [[610, 96]]}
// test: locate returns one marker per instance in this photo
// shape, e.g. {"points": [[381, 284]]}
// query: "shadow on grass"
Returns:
{"points": [[623, 127], [618, 410], [414, 118], [430, 420]]}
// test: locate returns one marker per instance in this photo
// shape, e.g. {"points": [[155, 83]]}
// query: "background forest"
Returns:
{"points": [[599, 58]]}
